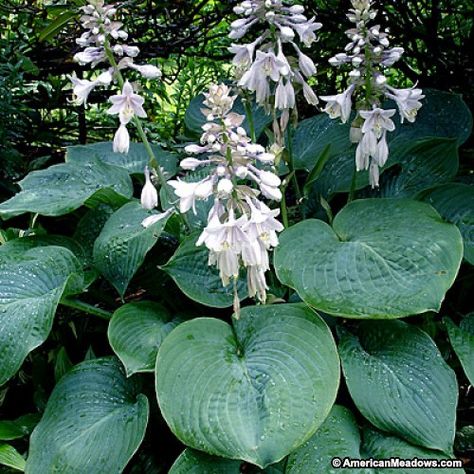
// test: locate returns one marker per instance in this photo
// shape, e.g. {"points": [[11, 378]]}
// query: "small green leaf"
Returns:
{"points": [[57, 25], [123, 243], [254, 391], [64, 188], [135, 333], [383, 258], [62, 365], [31, 286], [462, 340], [10, 457], [15, 429], [190, 270], [400, 382], [94, 422]]}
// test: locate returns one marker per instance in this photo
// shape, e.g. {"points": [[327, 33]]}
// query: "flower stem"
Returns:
{"points": [[248, 113], [86, 308], [153, 161]]}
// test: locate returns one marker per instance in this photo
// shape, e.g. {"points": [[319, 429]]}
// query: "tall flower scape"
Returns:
{"points": [[369, 54], [241, 229], [102, 43], [264, 67]]}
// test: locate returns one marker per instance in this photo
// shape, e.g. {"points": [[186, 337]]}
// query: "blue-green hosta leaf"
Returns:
{"points": [[10, 457], [400, 382], [455, 202], [195, 462], [136, 331], [22, 244], [382, 258], [94, 421], [123, 244], [196, 279], [31, 285], [462, 340], [194, 119], [337, 437], [90, 226], [380, 446], [254, 391], [134, 161], [63, 188]]}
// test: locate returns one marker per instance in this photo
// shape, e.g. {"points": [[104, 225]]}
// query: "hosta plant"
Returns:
{"points": [[156, 315]]}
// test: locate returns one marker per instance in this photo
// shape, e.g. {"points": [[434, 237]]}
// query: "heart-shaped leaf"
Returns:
{"points": [[400, 382], [94, 422], [462, 340], [338, 437], [455, 202], [195, 462], [190, 270], [377, 445], [123, 244], [254, 391], [135, 333], [134, 161], [383, 258], [31, 285], [63, 188]]}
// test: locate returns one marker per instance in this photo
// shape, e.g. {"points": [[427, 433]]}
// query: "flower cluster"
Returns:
{"points": [[368, 53], [241, 228], [102, 42], [263, 67]]}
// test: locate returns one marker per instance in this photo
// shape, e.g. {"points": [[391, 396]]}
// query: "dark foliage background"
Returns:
{"points": [[188, 38]]}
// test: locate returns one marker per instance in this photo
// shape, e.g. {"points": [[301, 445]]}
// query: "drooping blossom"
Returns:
{"points": [[368, 53], [102, 44], [273, 66], [241, 229]]}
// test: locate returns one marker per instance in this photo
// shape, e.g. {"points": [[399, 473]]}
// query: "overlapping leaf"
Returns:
{"points": [[94, 421], [462, 340], [31, 286], [61, 189], [383, 258], [190, 270], [136, 331], [400, 382], [134, 161], [455, 202], [123, 244]]}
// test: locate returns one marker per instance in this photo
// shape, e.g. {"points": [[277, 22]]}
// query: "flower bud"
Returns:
{"points": [[149, 196], [225, 186], [121, 140], [190, 163]]}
